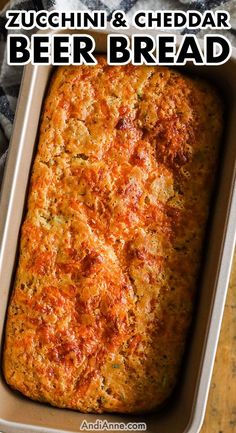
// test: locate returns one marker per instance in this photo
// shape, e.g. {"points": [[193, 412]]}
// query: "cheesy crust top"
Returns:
{"points": [[112, 240]]}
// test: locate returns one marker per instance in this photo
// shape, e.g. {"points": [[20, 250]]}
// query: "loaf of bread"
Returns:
{"points": [[112, 241]]}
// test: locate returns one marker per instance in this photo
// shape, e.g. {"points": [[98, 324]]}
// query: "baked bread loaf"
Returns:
{"points": [[112, 240]]}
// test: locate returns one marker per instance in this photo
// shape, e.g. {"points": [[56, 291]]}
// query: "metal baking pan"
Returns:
{"points": [[185, 411]]}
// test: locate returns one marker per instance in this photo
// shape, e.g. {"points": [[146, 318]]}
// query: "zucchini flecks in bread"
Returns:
{"points": [[111, 244]]}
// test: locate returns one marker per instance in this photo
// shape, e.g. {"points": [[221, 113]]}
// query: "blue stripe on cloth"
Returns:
{"points": [[28, 5], [48, 4], [3, 31], [207, 4], [38, 5], [3, 143], [126, 5], [12, 90], [95, 4], [201, 7], [5, 108]]}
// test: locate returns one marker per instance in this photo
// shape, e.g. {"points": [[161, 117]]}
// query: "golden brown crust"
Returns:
{"points": [[111, 244]]}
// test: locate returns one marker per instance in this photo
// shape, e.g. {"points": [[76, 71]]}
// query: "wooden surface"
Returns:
{"points": [[221, 408]]}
